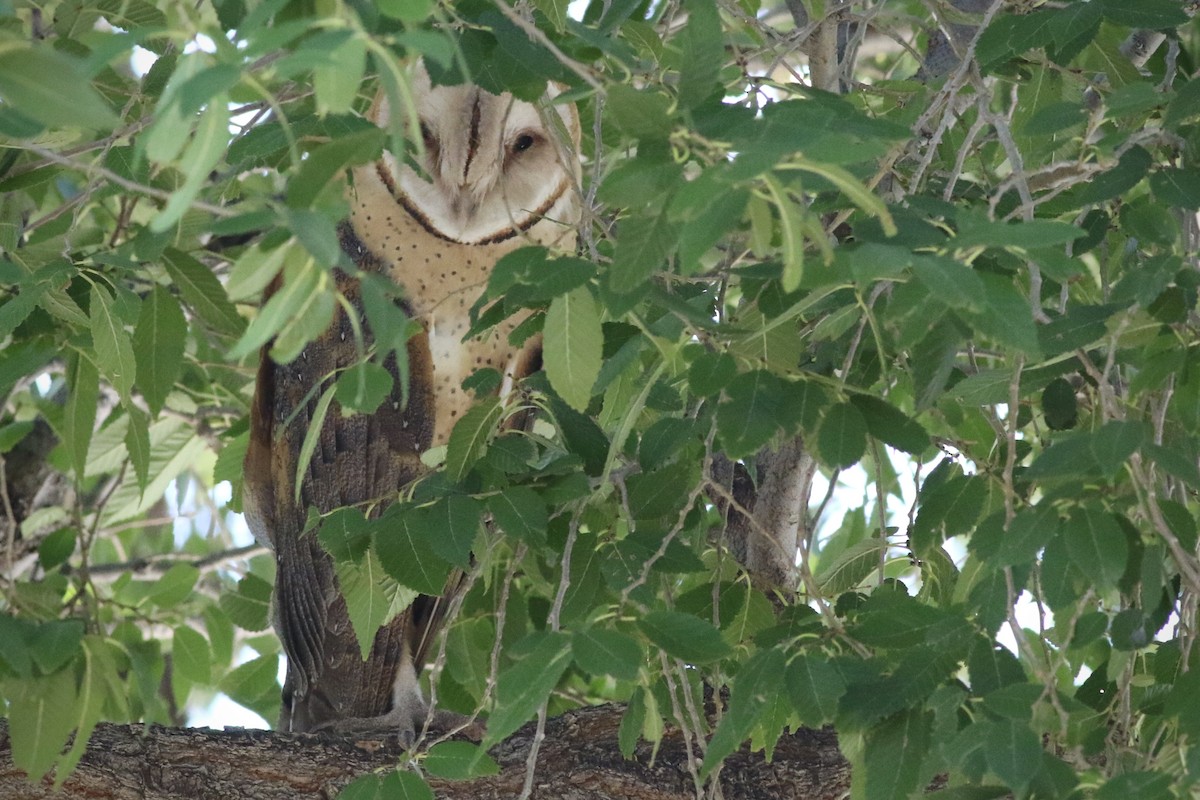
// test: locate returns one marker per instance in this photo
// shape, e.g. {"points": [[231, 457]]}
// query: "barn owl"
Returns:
{"points": [[496, 174]]}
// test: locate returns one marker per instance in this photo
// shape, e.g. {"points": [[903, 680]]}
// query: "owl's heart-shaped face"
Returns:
{"points": [[493, 166]]}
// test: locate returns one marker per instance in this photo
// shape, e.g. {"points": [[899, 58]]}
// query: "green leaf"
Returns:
{"points": [[53, 644], [83, 381], [1156, 14], [747, 416], [364, 787], [469, 438], [114, 352], [68, 101], [362, 388], [366, 603], [1099, 454], [56, 548], [571, 346], [1013, 752], [660, 492], [203, 292], [158, 345], [1097, 545], [324, 163], [1143, 785], [851, 566], [411, 11], [643, 113], [201, 155], [842, 437], [459, 761], [757, 682], [1177, 187], [815, 686], [521, 513], [684, 636], [890, 425], [250, 606], [345, 534], [403, 785], [175, 586], [312, 436], [600, 651], [452, 526], [405, 551], [41, 714], [703, 53], [893, 754], [336, 79], [137, 444], [190, 655], [522, 688], [644, 244], [255, 685]]}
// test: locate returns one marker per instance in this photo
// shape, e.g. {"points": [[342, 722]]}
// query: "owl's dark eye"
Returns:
{"points": [[428, 137], [524, 142]]}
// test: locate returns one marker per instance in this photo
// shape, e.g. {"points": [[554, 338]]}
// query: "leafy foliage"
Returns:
{"points": [[974, 285]]}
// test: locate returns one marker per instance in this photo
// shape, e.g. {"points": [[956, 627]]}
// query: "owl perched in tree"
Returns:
{"points": [[497, 173]]}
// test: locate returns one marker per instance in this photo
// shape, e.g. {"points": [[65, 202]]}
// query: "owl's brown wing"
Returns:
{"points": [[358, 460]]}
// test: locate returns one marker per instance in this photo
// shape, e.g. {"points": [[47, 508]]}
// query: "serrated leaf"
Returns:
{"points": [[191, 656], [747, 415], [336, 80], [758, 680], [601, 651], [41, 714], [114, 352], [571, 346], [684, 636], [137, 444], [405, 552], [469, 438], [1097, 545], [842, 437], [366, 603], [851, 567], [453, 526], [1013, 752], [255, 685], [158, 345], [362, 388], [815, 686], [893, 755], [175, 585], [890, 425], [644, 243], [69, 101], [403, 785], [521, 513], [345, 534], [83, 382], [522, 688], [250, 606], [702, 54], [202, 291], [199, 158], [459, 761]]}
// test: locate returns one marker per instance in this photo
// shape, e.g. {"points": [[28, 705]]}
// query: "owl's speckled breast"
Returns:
{"points": [[442, 279]]}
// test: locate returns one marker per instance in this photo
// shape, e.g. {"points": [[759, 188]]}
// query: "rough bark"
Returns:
{"points": [[578, 759]]}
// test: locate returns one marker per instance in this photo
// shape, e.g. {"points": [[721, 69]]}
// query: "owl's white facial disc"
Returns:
{"points": [[492, 166]]}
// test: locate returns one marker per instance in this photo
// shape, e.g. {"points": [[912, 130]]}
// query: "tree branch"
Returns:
{"points": [[579, 759]]}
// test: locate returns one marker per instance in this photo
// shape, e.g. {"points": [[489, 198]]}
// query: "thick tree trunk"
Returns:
{"points": [[578, 759]]}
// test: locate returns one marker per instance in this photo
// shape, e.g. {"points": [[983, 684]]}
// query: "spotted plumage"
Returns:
{"points": [[495, 177]]}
